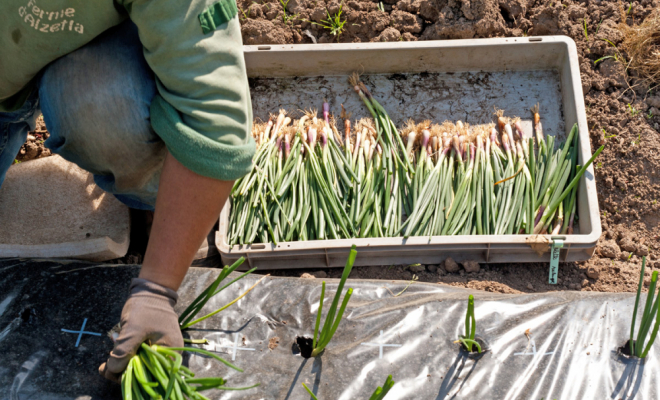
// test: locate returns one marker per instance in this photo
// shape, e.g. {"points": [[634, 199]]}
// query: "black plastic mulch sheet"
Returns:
{"points": [[560, 345]]}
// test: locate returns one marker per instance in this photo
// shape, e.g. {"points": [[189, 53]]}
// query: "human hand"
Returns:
{"points": [[148, 315]]}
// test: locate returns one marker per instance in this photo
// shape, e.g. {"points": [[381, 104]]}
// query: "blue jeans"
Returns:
{"points": [[95, 103]]}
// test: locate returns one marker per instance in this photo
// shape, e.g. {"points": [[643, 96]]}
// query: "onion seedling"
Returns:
{"points": [[186, 318], [470, 328], [334, 317], [155, 372], [650, 310], [424, 179], [378, 394]]}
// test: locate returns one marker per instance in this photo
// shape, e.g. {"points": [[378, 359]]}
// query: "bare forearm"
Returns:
{"points": [[187, 206]]}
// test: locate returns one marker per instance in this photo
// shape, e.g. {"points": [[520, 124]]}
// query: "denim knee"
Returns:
{"points": [[95, 103], [14, 127]]}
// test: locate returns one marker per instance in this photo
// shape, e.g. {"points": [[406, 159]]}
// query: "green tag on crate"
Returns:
{"points": [[554, 260]]}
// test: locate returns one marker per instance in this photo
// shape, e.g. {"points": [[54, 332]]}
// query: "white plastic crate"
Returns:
{"points": [[437, 80]]}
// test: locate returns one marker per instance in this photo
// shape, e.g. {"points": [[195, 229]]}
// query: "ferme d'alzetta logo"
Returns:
{"points": [[49, 21]]}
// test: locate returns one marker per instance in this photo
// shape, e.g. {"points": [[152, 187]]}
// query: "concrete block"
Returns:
{"points": [[51, 208]]}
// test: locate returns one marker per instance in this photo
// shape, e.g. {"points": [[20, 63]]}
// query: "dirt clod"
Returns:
{"points": [[471, 266], [306, 275], [273, 343], [416, 268], [609, 249], [593, 273], [451, 265]]}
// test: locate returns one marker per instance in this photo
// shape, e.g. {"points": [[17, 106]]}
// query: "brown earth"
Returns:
{"points": [[623, 115], [34, 146]]}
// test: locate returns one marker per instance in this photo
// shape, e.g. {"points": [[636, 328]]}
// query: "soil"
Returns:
{"points": [[273, 343], [623, 115], [33, 147]]}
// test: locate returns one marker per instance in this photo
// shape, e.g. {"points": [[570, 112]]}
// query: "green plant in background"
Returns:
{"points": [[650, 310], [333, 318], [334, 24], [598, 27], [633, 110], [584, 26], [378, 394], [470, 328], [381, 7], [286, 17], [245, 14], [617, 55]]}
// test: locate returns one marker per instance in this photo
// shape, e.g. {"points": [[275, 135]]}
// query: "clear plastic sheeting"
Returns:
{"points": [[560, 345]]}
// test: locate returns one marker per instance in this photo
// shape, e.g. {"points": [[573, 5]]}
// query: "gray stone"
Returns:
{"points": [[471, 266], [50, 208], [451, 266]]}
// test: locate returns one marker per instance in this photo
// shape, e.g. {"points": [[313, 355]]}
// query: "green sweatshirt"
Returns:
{"points": [[202, 110]]}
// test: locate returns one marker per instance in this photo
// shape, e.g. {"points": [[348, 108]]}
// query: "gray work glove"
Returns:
{"points": [[148, 315]]}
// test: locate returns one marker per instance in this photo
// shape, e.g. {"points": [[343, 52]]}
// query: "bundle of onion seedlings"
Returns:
{"points": [[156, 372], [312, 182]]}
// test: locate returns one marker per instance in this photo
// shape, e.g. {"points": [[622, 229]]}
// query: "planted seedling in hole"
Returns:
{"points": [[155, 372], [468, 340], [636, 347], [378, 394], [333, 318]]}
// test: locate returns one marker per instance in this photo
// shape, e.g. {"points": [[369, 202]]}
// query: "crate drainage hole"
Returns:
{"points": [[303, 346]]}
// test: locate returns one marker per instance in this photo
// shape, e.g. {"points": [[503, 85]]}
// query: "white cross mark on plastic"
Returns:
{"points": [[380, 345], [235, 347], [81, 332], [533, 353]]}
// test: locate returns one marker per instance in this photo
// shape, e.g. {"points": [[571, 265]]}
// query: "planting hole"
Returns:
{"points": [[625, 349], [26, 314], [474, 354], [304, 346]]}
